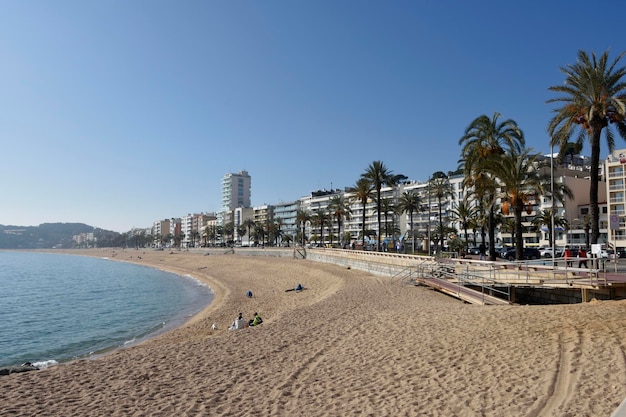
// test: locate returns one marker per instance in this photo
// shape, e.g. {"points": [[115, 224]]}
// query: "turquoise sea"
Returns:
{"points": [[55, 307]]}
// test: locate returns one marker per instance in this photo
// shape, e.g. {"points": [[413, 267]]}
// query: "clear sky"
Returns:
{"points": [[120, 113]]}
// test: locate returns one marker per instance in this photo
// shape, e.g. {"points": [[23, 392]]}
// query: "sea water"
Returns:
{"points": [[55, 308]]}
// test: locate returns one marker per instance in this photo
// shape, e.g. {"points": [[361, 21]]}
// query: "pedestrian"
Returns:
{"points": [[481, 249], [582, 258], [568, 255]]}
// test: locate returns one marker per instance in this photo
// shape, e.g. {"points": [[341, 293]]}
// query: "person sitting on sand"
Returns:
{"points": [[238, 324], [256, 320]]}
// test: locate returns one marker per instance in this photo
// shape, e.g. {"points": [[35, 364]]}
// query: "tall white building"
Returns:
{"points": [[235, 192]]}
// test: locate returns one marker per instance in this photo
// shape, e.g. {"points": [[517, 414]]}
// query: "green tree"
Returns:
{"points": [[439, 188], [544, 218], [321, 219], [229, 232], [410, 202], [249, 224], [387, 206], [362, 193], [340, 210], [463, 213], [377, 174], [593, 97], [485, 139], [302, 216], [521, 181]]}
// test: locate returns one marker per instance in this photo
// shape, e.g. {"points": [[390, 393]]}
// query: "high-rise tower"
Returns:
{"points": [[235, 191]]}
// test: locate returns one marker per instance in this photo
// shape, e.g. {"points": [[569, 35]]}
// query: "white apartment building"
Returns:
{"points": [[235, 193], [615, 168]]}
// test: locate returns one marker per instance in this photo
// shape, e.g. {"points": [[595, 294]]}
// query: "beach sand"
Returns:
{"points": [[350, 344]]}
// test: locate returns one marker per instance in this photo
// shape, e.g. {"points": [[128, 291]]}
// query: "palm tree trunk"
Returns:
{"points": [[363, 228], [519, 238], [593, 187]]}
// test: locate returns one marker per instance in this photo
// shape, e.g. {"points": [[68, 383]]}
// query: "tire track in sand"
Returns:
{"points": [[566, 376], [293, 384]]}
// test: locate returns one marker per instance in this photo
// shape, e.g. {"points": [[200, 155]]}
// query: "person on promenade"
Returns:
{"points": [[256, 320], [483, 253], [582, 258], [568, 255], [238, 324]]}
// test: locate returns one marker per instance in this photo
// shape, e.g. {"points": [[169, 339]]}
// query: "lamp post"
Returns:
{"points": [[552, 243]]}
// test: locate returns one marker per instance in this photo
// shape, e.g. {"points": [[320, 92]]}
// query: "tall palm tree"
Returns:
{"points": [[463, 212], [377, 174], [507, 225], [439, 188], [386, 205], [484, 139], [544, 218], [321, 218], [340, 210], [241, 230], [362, 193], [593, 98], [521, 181], [410, 202], [249, 224], [302, 216], [278, 223]]}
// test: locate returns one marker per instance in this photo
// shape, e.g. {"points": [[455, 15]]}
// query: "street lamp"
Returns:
{"points": [[552, 243]]}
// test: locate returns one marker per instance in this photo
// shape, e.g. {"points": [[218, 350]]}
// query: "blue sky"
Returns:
{"points": [[120, 113]]}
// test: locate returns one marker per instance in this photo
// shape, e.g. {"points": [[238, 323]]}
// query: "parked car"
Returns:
{"points": [[547, 252], [528, 253], [473, 251]]}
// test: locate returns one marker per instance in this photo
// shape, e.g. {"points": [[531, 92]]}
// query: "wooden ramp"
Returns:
{"points": [[461, 292]]}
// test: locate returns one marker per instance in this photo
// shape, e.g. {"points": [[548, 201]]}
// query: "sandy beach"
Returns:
{"points": [[350, 344]]}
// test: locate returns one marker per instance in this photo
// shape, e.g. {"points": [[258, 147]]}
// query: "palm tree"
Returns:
{"points": [[229, 231], [259, 233], [321, 218], [302, 216], [463, 213], [439, 188], [241, 230], [410, 202], [362, 193], [486, 138], [593, 98], [249, 224], [278, 223], [544, 218], [507, 225], [521, 180], [377, 174], [339, 209], [386, 205]]}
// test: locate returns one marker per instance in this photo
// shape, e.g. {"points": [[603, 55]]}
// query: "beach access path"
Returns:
{"points": [[350, 344]]}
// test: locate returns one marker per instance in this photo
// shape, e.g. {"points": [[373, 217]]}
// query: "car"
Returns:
{"points": [[473, 251], [547, 252], [529, 253]]}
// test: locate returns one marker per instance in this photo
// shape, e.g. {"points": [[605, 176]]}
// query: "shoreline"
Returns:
{"points": [[352, 343]]}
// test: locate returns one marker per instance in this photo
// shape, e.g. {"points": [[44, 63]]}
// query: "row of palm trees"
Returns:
{"points": [[500, 172]]}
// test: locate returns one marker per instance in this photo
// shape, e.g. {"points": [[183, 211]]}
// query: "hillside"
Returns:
{"points": [[55, 235]]}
